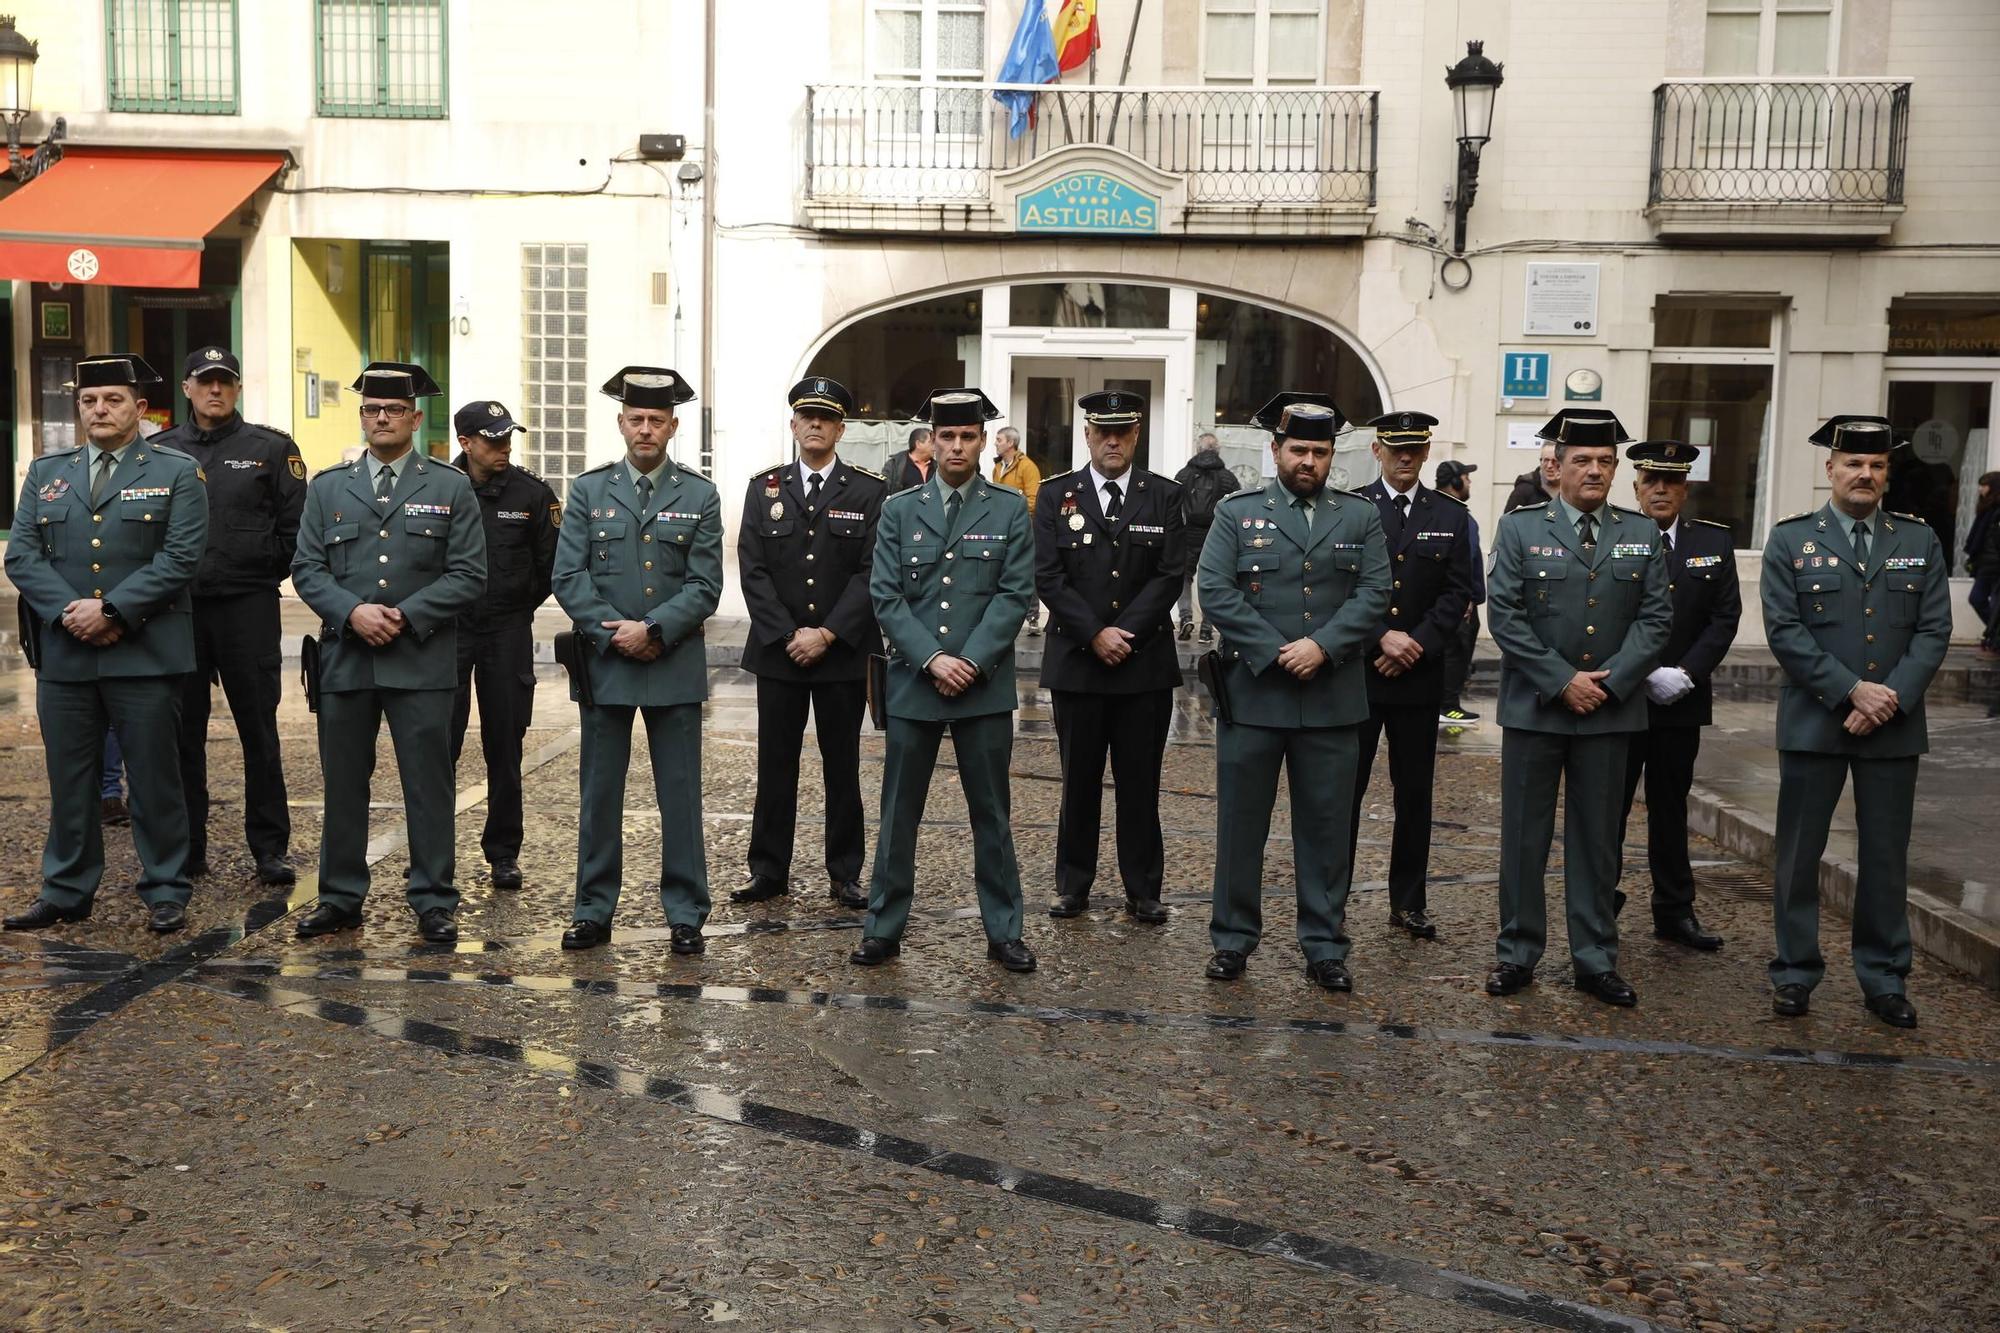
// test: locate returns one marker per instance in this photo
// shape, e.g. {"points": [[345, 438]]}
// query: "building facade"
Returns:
{"points": [[1723, 219]]}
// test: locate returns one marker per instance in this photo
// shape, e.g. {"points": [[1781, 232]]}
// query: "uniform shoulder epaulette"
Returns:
{"points": [[1003, 486], [866, 472], [1453, 498], [446, 465], [1914, 518], [1527, 509], [908, 489], [1244, 494], [60, 453], [1055, 477], [687, 471], [1627, 509], [1793, 518], [167, 449], [329, 471], [1709, 523], [278, 431], [775, 470], [1357, 493]]}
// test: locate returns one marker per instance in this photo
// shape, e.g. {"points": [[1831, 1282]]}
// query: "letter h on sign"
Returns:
{"points": [[1524, 375]]}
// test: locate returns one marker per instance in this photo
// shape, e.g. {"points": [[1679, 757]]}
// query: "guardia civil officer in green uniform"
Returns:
{"points": [[802, 553], [1858, 612], [106, 541], [639, 571], [1578, 604], [1295, 576], [391, 552], [256, 491], [953, 572], [1708, 604]]}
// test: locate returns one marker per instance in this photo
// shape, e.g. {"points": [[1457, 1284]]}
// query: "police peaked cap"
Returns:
{"points": [[395, 379], [114, 370], [648, 386], [1664, 456], [1112, 407], [827, 397], [1854, 434], [957, 407], [1403, 429], [1591, 426], [205, 361], [487, 418]]}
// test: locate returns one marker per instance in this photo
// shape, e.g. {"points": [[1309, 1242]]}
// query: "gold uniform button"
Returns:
{"points": [[649, 592], [1541, 573], [97, 541], [1871, 666], [600, 532], [944, 629], [1309, 615], [97, 518], [97, 592], [1399, 583], [1586, 657], [1868, 611], [950, 555], [1309, 566], [1114, 573], [809, 582], [913, 560], [1395, 610], [384, 533], [1593, 576], [1815, 587], [1399, 559], [947, 580], [1114, 606], [809, 555], [944, 606], [382, 559], [99, 569], [648, 537], [1871, 637], [148, 519], [1590, 601], [811, 607], [1590, 629], [381, 583], [649, 564], [1818, 606]]}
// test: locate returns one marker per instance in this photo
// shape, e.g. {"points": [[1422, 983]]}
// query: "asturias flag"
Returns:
{"points": [[1031, 58], [1076, 33]]}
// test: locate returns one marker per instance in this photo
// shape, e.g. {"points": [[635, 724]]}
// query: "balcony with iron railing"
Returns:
{"points": [[1778, 157], [1217, 161]]}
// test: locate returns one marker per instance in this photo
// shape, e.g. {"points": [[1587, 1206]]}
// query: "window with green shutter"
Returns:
{"points": [[175, 56], [381, 58]]}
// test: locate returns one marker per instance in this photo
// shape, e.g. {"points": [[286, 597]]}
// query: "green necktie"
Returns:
{"points": [[1586, 530], [1305, 508], [385, 481], [106, 460], [645, 493], [954, 507], [1861, 544]]}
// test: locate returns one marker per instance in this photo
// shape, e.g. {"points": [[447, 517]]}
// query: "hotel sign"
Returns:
{"points": [[1090, 202]]}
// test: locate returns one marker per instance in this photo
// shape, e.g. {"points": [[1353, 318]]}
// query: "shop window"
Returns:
{"points": [[171, 56], [1088, 305], [1944, 328], [1713, 375], [555, 331], [381, 58]]}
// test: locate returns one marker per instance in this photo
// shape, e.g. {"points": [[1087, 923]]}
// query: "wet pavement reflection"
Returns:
{"points": [[233, 1127]]}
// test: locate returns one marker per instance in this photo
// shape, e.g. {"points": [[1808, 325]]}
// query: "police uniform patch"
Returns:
{"points": [[297, 466], [555, 513], [54, 491]]}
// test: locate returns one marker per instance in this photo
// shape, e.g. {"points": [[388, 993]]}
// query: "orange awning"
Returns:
{"points": [[125, 217]]}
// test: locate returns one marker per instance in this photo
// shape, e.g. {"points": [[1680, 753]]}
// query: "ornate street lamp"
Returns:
{"points": [[17, 85], [1475, 84]]}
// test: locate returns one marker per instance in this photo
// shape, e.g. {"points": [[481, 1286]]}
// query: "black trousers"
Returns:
{"points": [[1456, 659], [498, 662], [1413, 736], [836, 707], [1132, 730], [236, 638], [1666, 756]]}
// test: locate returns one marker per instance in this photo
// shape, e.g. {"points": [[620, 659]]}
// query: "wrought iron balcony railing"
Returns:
{"points": [[1839, 142], [941, 143]]}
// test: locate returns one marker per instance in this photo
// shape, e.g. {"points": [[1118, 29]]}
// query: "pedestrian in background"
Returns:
{"points": [[1982, 548], [911, 465], [1537, 484], [1012, 467], [1458, 647], [1204, 480]]}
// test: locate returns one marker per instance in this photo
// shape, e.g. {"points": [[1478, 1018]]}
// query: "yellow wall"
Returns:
{"points": [[326, 331]]}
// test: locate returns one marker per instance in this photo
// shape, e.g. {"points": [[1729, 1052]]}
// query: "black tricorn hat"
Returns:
{"points": [[1592, 426], [1852, 433], [114, 370], [1283, 415], [395, 379], [957, 407], [648, 386], [826, 397]]}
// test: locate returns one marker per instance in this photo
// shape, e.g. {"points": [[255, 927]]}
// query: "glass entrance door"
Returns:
{"points": [[1947, 419], [1043, 404]]}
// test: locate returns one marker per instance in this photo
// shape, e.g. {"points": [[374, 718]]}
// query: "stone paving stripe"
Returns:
{"points": [[1305, 1027], [1306, 1251], [87, 1011]]}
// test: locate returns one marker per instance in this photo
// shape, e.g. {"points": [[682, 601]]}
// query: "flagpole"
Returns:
{"points": [[1125, 70]]}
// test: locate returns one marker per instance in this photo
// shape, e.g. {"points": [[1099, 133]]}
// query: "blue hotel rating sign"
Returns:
{"points": [[1524, 375], [1091, 202]]}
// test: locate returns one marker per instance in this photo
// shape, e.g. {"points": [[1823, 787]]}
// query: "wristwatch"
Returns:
{"points": [[111, 612], [652, 628]]}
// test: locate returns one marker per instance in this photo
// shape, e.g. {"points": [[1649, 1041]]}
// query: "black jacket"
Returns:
{"points": [[801, 569], [256, 492], [1430, 571], [1982, 545], [521, 516], [1204, 461], [1093, 573], [899, 473], [1708, 605], [1528, 490]]}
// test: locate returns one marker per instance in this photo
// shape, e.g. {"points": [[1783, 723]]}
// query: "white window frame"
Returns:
{"points": [[1772, 356], [929, 79], [1767, 39], [1260, 50]]}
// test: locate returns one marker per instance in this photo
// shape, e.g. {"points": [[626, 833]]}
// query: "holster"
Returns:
{"points": [[878, 691], [573, 654], [1208, 669], [309, 671], [31, 633]]}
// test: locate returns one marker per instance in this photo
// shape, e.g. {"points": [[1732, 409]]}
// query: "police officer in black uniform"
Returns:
{"points": [[803, 552], [256, 489], [496, 635], [1430, 568], [1109, 551], [1708, 605]]}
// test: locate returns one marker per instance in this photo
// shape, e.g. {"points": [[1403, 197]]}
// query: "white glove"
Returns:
{"points": [[1667, 684]]}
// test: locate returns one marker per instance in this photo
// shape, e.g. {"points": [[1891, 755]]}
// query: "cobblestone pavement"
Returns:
{"points": [[233, 1129]]}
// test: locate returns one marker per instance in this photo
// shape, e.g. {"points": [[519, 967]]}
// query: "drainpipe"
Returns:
{"points": [[707, 457]]}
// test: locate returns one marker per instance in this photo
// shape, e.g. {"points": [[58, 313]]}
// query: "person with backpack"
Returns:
{"points": [[1203, 482]]}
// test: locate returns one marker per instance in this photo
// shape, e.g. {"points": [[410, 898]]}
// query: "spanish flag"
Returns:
{"points": [[1076, 33]]}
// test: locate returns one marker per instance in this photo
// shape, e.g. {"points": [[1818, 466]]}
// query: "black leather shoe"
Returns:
{"points": [[270, 870], [1186, 631], [849, 893], [506, 876], [1151, 911], [1069, 904], [324, 920], [585, 935], [1034, 629], [1507, 978], [760, 889], [1791, 1001], [1417, 923], [1014, 955], [1225, 965], [42, 914], [875, 950], [1330, 973], [166, 918], [1687, 930], [437, 925], [112, 812], [1895, 1010], [1618, 901], [197, 866], [1608, 987], [1207, 633], [687, 939]]}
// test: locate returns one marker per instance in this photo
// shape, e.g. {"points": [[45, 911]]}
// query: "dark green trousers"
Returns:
{"points": [[1591, 770], [985, 746], [1319, 766], [145, 712], [1885, 793], [420, 729], [673, 739]]}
